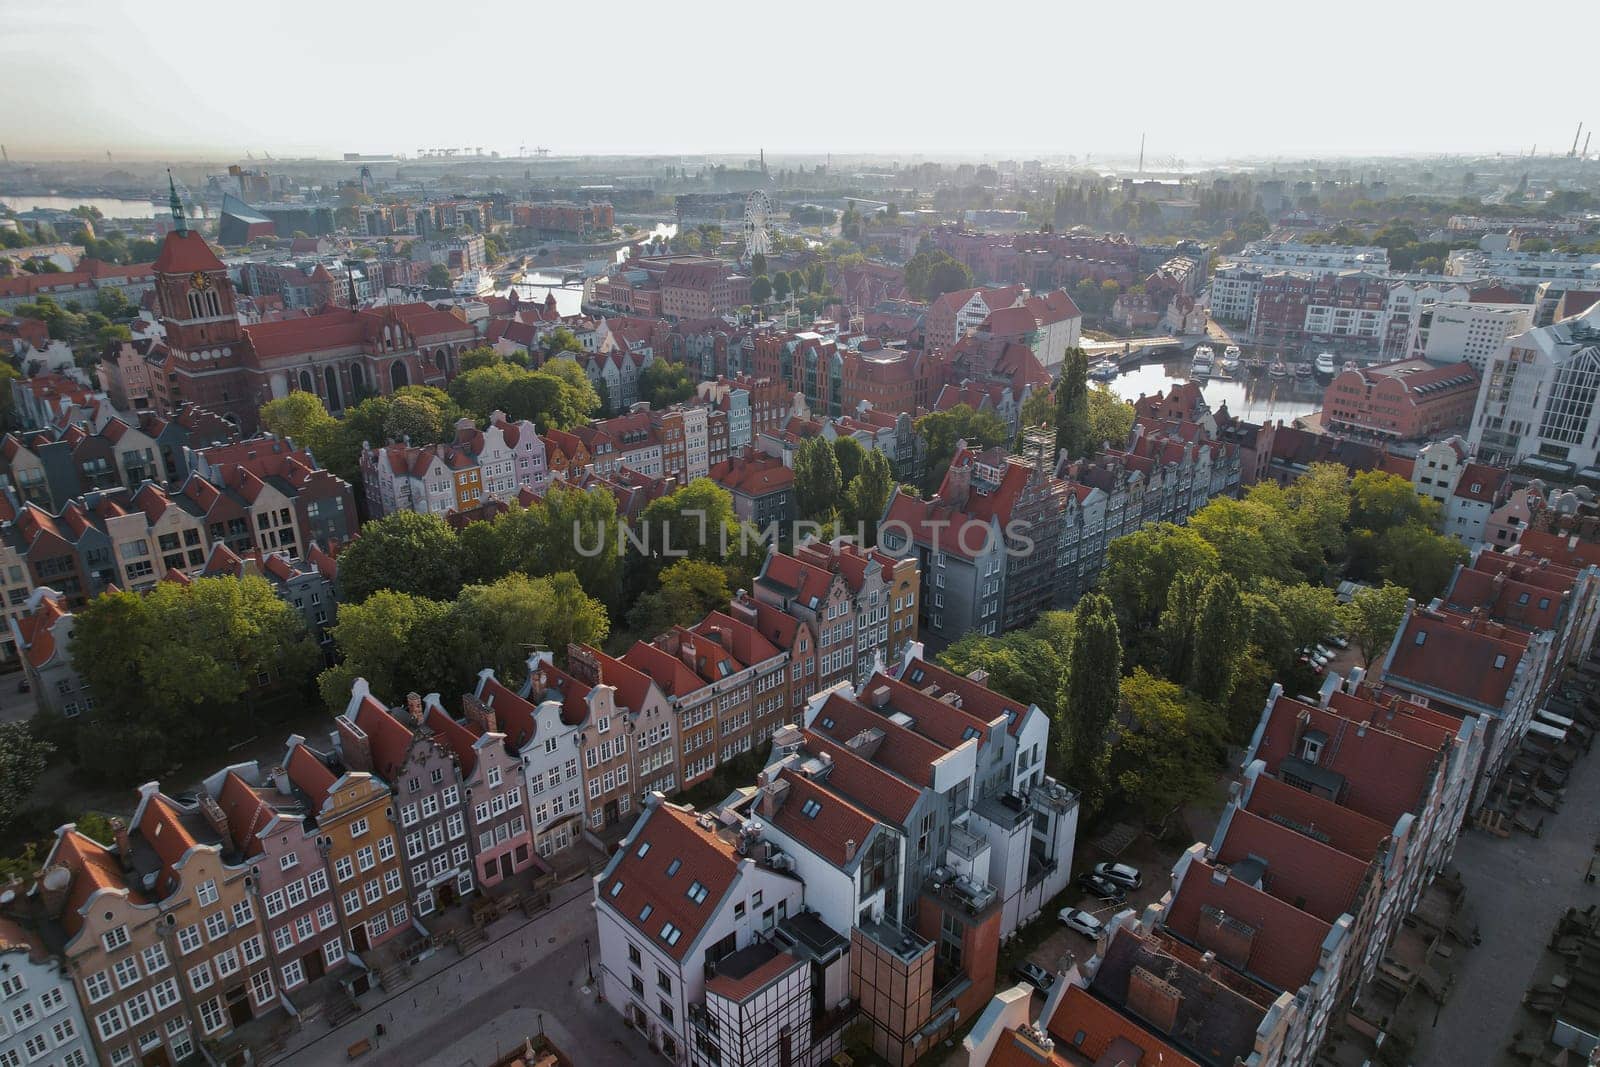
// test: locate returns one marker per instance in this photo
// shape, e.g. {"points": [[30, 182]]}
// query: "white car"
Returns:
{"points": [[1081, 921]]}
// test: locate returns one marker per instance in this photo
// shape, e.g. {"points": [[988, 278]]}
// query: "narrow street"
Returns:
{"points": [[1517, 888], [471, 1010]]}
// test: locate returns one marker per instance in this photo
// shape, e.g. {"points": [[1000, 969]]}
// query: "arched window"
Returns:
{"points": [[358, 379], [399, 378], [305, 382], [438, 359], [330, 377]]}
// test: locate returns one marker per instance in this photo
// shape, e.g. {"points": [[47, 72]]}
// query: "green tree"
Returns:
{"points": [[406, 552], [1089, 697], [23, 758], [1221, 638], [780, 286], [1380, 500], [688, 590], [817, 478], [868, 494], [1309, 612], [439, 276], [850, 455], [1038, 409], [418, 420], [493, 625], [398, 642], [1371, 618], [1422, 561], [1164, 753], [1021, 664], [664, 384], [1072, 407], [940, 430], [473, 358], [582, 537], [760, 289], [1250, 543], [188, 675], [1178, 623], [1110, 417], [561, 341], [302, 418], [1140, 567], [758, 265]]}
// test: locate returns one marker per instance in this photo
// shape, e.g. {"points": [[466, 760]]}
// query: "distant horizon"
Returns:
{"points": [[1229, 82]]}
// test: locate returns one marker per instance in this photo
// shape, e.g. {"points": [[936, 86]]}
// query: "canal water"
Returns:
{"points": [[1257, 398], [110, 207], [536, 285]]}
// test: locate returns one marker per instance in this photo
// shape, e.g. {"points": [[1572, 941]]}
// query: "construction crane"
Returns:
{"points": [[1573, 151], [542, 152]]}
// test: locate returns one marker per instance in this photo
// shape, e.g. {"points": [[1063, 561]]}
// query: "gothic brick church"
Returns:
{"points": [[341, 355]]}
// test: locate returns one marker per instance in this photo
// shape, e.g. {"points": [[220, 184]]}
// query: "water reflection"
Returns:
{"points": [[1256, 398], [536, 285]]}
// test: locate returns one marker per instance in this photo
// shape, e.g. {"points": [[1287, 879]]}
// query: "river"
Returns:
{"points": [[536, 285], [1255, 399], [110, 207]]}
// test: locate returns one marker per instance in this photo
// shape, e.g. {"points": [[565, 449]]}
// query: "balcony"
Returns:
{"points": [[972, 897]]}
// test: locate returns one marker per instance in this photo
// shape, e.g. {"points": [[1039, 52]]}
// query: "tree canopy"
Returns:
{"points": [[818, 481], [940, 430], [405, 552]]}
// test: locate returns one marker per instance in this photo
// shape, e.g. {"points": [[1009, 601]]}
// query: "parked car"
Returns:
{"points": [[1104, 888], [1120, 873], [1311, 664], [1036, 976], [1081, 921], [1325, 652], [1337, 641]]}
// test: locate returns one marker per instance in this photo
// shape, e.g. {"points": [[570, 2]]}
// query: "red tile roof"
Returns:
{"points": [[663, 834], [185, 252], [1105, 1031], [1438, 653], [310, 774], [867, 785], [1287, 946], [94, 868], [837, 831], [1345, 829], [1511, 602], [247, 812], [1315, 877], [908, 754]]}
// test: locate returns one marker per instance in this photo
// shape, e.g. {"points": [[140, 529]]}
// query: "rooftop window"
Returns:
{"points": [[644, 912], [697, 893], [672, 868], [810, 808], [670, 934], [644, 847], [616, 887]]}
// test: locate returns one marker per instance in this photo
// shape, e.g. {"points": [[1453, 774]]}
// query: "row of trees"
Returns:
{"points": [[842, 481], [1151, 675]]}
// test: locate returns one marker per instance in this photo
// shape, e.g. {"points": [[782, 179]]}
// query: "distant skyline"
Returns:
{"points": [[1202, 82]]}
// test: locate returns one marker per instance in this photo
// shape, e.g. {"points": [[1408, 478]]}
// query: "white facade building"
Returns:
{"points": [[1540, 400], [42, 1015], [1452, 331]]}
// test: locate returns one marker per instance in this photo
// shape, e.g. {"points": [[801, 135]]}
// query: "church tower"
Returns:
{"points": [[196, 302]]}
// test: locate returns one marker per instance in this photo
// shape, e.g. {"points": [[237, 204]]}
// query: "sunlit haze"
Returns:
{"points": [[1200, 81]]}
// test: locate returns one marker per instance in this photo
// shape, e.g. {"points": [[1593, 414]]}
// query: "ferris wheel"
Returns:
{"points": [[757, 210]]}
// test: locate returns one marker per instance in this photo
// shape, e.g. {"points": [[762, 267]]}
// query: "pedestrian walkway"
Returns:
{"points": [[1517, 887], [445, 981]]}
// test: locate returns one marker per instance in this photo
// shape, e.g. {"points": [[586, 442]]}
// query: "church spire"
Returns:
{"points": [[178, 219]]}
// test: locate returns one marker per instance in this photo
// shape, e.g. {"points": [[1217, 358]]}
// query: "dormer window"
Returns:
{"points": [[1499, 661], [1311, 745], [1422, 635]]}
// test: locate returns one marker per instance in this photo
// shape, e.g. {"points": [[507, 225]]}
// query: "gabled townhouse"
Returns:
{"points": [[42, 635], [291, 501], [273, 831], [422, 775], [884, 591], [542, 729], [1470, 666], [352, 810], [183, 859], [821, 598], [493, 463], [796, 638], [492, 785], [309, 585], [693, 702], [16, 587], [761, 486], [689, 921], [122, 955], [40, 1002]]}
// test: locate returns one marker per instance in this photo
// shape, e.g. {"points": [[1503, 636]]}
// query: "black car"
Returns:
{"points": [[1036, 976], [1103, 888]]}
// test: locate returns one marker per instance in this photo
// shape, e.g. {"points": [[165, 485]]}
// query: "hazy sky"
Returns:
{"points": [[1204, 79]]}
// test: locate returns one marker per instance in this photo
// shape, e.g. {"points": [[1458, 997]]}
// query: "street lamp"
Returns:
{"points": [[588, 961]]}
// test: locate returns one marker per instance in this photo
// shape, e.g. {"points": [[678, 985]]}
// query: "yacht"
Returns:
{"points": [[1104, 370], [474, 283], [1229, 361], [1302, 370], [1203, 359], [1279, 368], [1325, 365]]}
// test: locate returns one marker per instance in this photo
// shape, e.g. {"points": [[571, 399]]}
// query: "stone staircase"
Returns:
{"points": [[471, 939], [393, 975]]}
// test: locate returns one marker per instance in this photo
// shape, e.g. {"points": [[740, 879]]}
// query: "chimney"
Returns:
{"points": [[849, 849], [414, 708], [55, 882], [1229, 938], [214, 816], [354, 746], [880, 697], [480, 715], [980, 676], [1153, 999], [119, 838], [772, 798], [743, 608]]}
